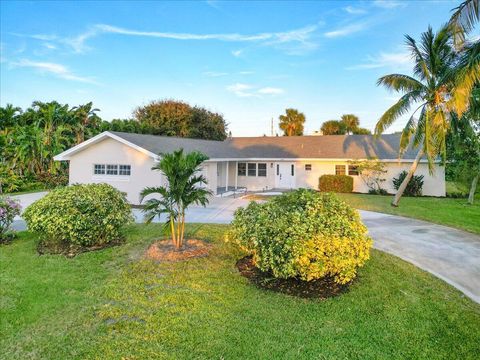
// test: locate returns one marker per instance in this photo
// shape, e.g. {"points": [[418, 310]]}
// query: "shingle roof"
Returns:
{"points": [[281, 147]]}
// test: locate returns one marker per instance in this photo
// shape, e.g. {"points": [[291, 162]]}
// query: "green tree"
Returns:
{"points": [[429, 87], [333, 127], [351, 123], [84, 118], [292, 122], [185, 186]]}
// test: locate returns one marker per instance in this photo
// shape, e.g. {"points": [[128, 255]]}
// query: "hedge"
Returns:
{"points": [[336, 183]]}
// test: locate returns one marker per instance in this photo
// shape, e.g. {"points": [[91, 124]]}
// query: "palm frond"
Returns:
{"points": [[400, 82], [463, 20]]}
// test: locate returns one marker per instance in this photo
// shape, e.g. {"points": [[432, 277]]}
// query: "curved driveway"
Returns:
{"points": [[450, 254]]}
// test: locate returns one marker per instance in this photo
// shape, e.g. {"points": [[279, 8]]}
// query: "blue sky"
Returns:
{"points": [[248, 61]]}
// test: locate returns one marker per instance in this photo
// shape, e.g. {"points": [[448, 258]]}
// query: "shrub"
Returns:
{"points": [[9, 208], [336, 183], [414, 187], [303, 234], [79, 216], [379, 191]]}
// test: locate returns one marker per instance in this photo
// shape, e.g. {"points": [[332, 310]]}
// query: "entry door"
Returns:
{"points": [[285, 175]]}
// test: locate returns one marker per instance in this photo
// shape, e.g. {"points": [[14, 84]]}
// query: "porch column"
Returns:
{"points": [[236, 175], [226, 178]]}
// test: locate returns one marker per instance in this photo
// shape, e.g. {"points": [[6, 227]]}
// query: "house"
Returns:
{"points": [[124, 160]]}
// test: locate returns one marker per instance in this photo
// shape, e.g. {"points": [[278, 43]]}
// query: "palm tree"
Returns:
{"points": [[185, 187], [430, 90], [292, 122], [83, 116], [351, 123], [333, 127]]}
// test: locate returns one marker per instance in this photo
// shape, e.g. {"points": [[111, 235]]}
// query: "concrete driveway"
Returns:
{"points": [[450, 254]]}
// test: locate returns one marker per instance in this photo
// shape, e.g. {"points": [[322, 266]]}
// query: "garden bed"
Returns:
{"points": [[164, 250]]}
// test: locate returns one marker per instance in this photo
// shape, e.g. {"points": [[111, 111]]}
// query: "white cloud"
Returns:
{"points": [[214, 74], [237, 53], [58, 70], [246, 72], [393, 60], [354, 10], [346, 30], [49, 46], [389, 4], [271, 91], [241, 90]]}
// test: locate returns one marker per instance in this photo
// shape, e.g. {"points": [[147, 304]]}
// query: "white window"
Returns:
{"points": [[308, 167], [340, 170], [99, 169], [242, 169], [262, 169], [252, 169], [124, 170]]}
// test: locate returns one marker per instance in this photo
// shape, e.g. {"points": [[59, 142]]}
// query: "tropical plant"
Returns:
{"points": [[292, 122], [77, 216], [348, 124], [430, 87], [185, 187], [9, 208], [85, 117], [333, 127], [351, 123], [303, 234], [372, 172], [414, 186]]}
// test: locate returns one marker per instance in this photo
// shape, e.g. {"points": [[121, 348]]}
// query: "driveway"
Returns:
{"points": [[450, 254]]}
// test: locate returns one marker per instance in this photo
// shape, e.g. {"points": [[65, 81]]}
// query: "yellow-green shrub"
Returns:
{"points": [[303, 234], [81, 215], [335, 183]]}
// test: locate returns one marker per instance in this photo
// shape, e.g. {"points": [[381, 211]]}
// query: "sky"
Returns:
{"points": [[246, 60]]}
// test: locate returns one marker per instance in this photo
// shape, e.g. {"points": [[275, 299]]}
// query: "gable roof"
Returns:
{"points": [[279, 147]]}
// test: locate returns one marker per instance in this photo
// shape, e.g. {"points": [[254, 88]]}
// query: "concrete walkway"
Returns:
{"points": [[450, 254]]}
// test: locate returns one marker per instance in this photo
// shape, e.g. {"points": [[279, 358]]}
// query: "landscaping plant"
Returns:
{"points": [[9, 208], [372, 172], [303, 234], [336, 183], [414, 186], [77, 216], [185, 187]]}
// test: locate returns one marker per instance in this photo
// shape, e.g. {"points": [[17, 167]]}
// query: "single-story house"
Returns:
{"points": [[124, 160]]}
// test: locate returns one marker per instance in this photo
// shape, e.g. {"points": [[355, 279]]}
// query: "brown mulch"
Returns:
{"points": [[164, 250], [320, 289]]}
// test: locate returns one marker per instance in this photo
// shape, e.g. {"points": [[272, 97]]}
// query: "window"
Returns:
{"points": [[352, 170], [124, 170], [308, 167], [292, 170], [99, 169], [242, 169], [278, 169], [340, 170], [112, 169], [262, 169], [252, 169]]}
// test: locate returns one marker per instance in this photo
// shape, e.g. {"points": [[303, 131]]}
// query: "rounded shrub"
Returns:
{"points": [[303, 234], [335, 183], [79, 215]]}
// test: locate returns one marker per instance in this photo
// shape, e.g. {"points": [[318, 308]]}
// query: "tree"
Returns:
{"points": [[84, 117], [362, 131], [177, 118], [333, 127], [351, 123], [185, 187], [429, 87], [372, 172], [292, 122]]}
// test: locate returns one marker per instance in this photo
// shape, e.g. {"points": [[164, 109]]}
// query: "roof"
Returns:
{"points": [[279, 147]]}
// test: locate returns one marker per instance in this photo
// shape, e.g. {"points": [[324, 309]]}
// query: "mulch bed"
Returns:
{"points": [[164, 250], [320, 289]]}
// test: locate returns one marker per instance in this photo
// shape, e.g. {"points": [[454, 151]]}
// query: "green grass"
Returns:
{"points": [[112, 304], [446, 211]]}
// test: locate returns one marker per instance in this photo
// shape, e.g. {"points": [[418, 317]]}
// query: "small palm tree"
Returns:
{"points": [[184, 188], [292, 122], [434, 60]]}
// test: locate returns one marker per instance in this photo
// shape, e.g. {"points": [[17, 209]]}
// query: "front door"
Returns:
{"points": [[285, 175]]}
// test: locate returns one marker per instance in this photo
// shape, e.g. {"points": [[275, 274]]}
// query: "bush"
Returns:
{"points": [[414, 187], [9, 208], [303, 234], [336, 183], [379, 191], [79, 216]]}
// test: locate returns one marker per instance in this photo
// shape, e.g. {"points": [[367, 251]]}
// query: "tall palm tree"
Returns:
{"points": [[430, 90], [351, 123], [292, 122], [83, 116], [185, 187]]}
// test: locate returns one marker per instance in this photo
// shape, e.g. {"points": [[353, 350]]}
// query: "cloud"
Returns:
{"points": [[394, 60], [237, 53], [246, 90], [354, 10], [346, 30], [271, 91], [214, 74], [58, 70], [246, 72], [389, 4]]}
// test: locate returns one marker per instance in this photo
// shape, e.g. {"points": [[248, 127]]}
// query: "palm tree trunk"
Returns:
{"points": [[172, 229], [183, 227], [473, 187], [405, 181]]}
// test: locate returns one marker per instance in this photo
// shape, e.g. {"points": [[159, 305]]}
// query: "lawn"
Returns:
{"points": [[113, 304], [446, 211]]}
